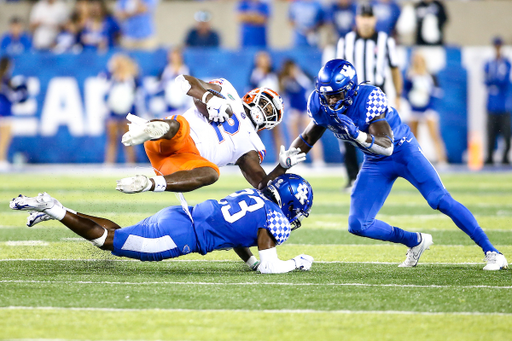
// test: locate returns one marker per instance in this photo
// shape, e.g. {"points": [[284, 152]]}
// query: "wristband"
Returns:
{"points": [[307, 144], [160, 183], [203, 99]]}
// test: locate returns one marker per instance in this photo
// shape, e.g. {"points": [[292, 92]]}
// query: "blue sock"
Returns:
{"points": [[383, 231], [465, 220]]}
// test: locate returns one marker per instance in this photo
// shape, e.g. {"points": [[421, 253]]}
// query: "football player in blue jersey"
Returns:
{"points": [[360, 114], [243, 219]]}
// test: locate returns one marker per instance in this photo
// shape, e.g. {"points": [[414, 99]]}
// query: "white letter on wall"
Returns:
{"points": [[62, 106]]}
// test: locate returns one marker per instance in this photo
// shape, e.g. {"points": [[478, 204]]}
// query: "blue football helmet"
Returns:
{"points": [[337, 78], [293, 194]]}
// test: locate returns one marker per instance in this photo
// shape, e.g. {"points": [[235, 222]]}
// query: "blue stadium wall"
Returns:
{"points": [[65, 146]]}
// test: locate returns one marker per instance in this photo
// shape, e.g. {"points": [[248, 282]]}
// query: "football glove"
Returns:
{"points": [[303, 262], [134, 184], [218, 109], [348, 125], [291, 157]]}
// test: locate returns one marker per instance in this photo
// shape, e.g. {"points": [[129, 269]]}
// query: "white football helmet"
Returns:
{"points": [[265, 107]]}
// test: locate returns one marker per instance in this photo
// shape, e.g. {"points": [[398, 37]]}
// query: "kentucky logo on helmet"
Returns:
{"points": [[302, 193]]}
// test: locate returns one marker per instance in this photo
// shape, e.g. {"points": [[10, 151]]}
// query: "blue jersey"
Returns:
{"points": [[369, 103], [212, 225], [234, 221]]}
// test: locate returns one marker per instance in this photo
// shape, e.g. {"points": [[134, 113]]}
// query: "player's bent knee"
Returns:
{"points": [[445, 203], [435, 198], [355, 225]]}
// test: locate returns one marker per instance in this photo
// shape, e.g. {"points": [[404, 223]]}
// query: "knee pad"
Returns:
{"points": [[355, 225], [445, 203], [435, 198]]}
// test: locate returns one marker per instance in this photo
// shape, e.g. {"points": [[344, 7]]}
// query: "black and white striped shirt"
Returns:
{"points": [[370, 56]]}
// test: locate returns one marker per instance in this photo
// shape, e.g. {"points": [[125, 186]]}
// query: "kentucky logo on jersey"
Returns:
{"points": [[302, 193]]}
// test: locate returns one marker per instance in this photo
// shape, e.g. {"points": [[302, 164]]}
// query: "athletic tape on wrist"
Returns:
{"points": [[101, 240], [160, 183], [251, 262], [203, 99]]}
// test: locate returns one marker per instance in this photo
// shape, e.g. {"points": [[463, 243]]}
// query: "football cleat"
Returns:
{"points": [[414, 253], [40, 203], [495, 261], [140, 130], [35, 218]]}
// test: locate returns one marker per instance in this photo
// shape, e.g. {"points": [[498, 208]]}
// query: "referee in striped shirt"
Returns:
{"points": [[370, 52]]}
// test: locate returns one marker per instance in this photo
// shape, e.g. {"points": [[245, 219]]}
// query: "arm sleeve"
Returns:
{"points": [[271, 264]]}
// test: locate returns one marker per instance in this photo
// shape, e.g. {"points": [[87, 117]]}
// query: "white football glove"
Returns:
{"points": [[134, 184], [303, 262], [217, 109], [291, 157]]}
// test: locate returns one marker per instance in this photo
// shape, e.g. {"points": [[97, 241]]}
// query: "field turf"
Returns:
{"points": [[53, 285]]}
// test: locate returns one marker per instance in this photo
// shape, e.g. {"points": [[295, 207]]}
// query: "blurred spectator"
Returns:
{"points": [[68, 40], [306, 18], [497, 78], [431, 17], [137, 23], [11, 91], [263, 75], [420, 88], [16, 40], [123, 93], [343, 16], [175, 99], [387, 13], [81, 9], [202, 35], [101, 30], [295, 87], [46, 20], [253, 16]]}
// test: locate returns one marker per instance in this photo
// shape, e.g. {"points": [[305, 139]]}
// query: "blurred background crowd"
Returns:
{"points": [[122, 56]]}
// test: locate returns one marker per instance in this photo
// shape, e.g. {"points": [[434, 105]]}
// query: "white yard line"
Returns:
{"points": [[266, 311], [433, 286], [210, 260]]}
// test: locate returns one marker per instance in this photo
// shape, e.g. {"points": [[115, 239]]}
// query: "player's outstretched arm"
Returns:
{"points": [[207, 98], [181, 181], [304, 142], [271, 264]]}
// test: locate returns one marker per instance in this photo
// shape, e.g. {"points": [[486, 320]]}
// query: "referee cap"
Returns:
{"points": [[365, 10]]}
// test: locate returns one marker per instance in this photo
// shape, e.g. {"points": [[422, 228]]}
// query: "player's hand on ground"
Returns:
{"points": [[134, 184], [349, 126], [303, 262], [218, 109], [291, 157]]}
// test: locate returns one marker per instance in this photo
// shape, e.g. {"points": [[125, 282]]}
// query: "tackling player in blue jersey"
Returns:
{"points": [[243, 219], [360, 114]]}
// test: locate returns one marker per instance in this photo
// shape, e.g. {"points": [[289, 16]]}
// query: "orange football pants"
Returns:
{"points": [[177, 154]]}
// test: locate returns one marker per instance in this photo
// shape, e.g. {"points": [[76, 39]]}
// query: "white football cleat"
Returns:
{"points": [[140, 130], [495, 261], [35, 218], [414, 253], [40, 203]]}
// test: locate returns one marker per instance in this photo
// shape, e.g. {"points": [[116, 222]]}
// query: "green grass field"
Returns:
{"points": [[53, 285]]}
